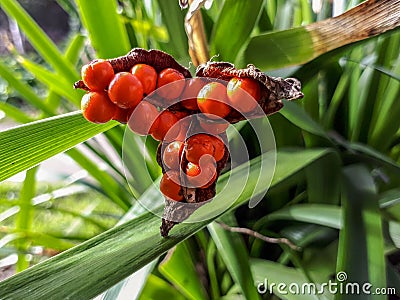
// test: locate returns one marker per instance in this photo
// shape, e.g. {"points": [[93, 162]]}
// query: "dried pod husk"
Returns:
{"points": [[159, 60], [273, 90], [176, 212]]}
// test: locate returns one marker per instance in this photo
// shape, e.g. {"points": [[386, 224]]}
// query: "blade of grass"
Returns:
{"points": [[24, 218], [173, 18], [240, 16], [27, 145], [321, 214], [234, 253], [24, 90], [14, 113], [40, 41], [361, 243], [179, 268], [105, 27], [104, 260], [269, 272], [61, 85]]}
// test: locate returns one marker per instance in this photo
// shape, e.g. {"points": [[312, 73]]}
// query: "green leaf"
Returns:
{"points": [[267, 272], [24, 90], [234, 253], [179, 268], [25, 146], [156, 288], [238, 17], [173, 18], [105, 27], [361, 253], [285, 48], [40, 41], [106, 259], [321, 214], [25, 215]]}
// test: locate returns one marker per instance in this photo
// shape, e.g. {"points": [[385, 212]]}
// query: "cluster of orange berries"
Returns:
{"points": [[189, 161]]}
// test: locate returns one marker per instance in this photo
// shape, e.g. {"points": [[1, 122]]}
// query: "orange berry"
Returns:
{"points": [[171, 91], [212, 99], [192, 89], [243, 94], [125, 90], [97, 108], [197, 146], [172, 155], [147, 76], [143, 118], [213, 127], [201, 176], [219, 148], [122, 115], [97, 75], [165, 121], [169, 186]]}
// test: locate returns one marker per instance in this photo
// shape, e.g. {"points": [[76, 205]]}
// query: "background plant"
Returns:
{"points": [[335, 190]]}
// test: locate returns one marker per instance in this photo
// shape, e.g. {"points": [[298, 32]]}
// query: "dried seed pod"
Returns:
{"points": [[273, 90], [176, 212], [159, 60]]}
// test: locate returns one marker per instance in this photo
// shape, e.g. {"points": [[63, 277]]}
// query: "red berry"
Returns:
{"points": [[197, 146], [213, 127], [172, 155], [192, 89], [147, 76], [203, 175], [97, 75], [125, 90], [212, 99], [201, 144], [171, 91], [97, 108], [122, 115], [243, 94], [143, 118], [165, 121], [169, 186]]}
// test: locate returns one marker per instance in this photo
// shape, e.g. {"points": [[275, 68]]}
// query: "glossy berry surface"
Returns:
{"points": [[197, 146], [213, 127], [189, 95], [243, 94], [143, 118], [201, 176], [167, 90], [147, 76], [97, 108], [169, 186], [165, 124], [212, 99], [122, 115], [125, 90], [97, 75], [172, 155]]}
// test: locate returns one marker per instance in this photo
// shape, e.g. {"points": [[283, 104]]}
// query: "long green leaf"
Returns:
{"points": [[234, 253], [105, 27], [299, 45], [25, 146], [361, 243], [179, 268], [42, 43], [104, 260], [239, 16]]}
